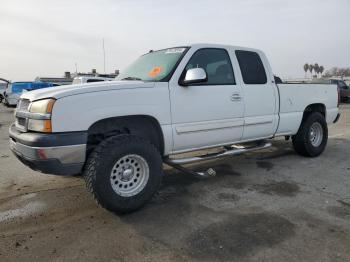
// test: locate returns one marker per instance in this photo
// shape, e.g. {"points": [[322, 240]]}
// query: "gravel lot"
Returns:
{"points": [[271, 205]]}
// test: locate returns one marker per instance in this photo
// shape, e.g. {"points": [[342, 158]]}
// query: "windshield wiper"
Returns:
{"points": [[131, 78]]}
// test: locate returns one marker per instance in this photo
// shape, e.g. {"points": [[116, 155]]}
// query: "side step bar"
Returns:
{"points": [[228, 151]]}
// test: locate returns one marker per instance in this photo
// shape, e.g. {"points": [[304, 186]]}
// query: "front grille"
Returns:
{"points": [[21, 122], [23, 105]]}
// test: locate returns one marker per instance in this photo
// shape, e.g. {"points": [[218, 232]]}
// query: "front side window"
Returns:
{"points": [[252, 68], [217, 65], [154, 66]]}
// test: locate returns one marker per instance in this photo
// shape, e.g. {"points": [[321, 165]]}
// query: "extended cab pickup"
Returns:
{"points": [[171, 101]]}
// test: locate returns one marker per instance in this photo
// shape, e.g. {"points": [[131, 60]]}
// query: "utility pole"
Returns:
{"points": [[104, 55]]}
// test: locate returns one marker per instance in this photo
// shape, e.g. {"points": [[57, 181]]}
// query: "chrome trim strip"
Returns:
{"points": [[259, 123], [205, 126], [65, 154], [37, 116]]}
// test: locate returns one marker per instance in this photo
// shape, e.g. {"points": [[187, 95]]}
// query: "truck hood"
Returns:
{"points": [[70, 90]]}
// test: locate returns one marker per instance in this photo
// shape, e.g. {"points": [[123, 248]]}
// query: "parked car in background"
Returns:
{"points": [[15, 89], [89, 79], [166, 103], [344, 90], [3, 86], [2, 91]]}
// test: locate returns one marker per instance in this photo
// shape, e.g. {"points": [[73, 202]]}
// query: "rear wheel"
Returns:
{"points": [[312, 136], [123, 173]]}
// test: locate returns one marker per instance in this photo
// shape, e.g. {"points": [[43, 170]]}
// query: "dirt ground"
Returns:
{"points": [[271, 205]]}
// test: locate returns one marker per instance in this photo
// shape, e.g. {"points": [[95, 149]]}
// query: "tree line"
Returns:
{"points": [[313, 68], [338, 71]]}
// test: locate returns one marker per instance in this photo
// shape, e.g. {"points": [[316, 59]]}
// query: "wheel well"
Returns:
{"points": [[143, 126], [320, 108]]}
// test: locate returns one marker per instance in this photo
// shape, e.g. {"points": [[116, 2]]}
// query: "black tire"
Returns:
{"points": [[301, 141], [98, 168]]}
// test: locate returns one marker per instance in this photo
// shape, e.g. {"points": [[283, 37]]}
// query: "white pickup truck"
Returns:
{"points": [[171, 101]]}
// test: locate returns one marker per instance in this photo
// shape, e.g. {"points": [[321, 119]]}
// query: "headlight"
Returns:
{"points": [[42, 106], [39, 117]]}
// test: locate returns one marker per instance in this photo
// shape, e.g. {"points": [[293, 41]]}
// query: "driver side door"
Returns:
{"points": [[208, 113]]}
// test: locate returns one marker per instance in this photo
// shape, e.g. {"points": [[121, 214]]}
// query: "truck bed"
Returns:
{"points": [[294, 98]]}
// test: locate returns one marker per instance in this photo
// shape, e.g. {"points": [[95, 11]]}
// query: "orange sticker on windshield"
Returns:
{"points": [[155, 71]]}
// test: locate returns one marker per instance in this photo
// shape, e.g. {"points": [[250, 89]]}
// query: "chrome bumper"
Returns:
{"points": [[60, 160], [58, 154], [64, 154]]}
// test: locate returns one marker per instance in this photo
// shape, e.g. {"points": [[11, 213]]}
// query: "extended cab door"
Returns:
{"points": [[209, 113], [260, 95]]}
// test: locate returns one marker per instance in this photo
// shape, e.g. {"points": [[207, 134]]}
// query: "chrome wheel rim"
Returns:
{"points": [[129, 175], [316, 134]]}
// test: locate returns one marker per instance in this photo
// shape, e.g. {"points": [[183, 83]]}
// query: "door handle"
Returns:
{"points": [[236, 97]]}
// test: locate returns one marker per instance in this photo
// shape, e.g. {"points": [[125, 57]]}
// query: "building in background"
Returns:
{"points": [[66, 80], [68, 77], [94, 73]]}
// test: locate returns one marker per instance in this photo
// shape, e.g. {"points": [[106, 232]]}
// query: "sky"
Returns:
{"points": [[46, 38]]}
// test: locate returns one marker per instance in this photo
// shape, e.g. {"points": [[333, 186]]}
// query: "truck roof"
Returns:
{"points": [[211, 45], [206, 45]]}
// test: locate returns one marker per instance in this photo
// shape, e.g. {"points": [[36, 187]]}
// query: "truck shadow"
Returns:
{"points": [[186, 214], [177, 219]]}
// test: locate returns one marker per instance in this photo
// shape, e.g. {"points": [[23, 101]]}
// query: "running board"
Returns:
{"points": [[228, 151]]}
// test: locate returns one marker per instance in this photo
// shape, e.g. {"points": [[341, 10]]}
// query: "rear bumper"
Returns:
{"points": [[58, 154]]}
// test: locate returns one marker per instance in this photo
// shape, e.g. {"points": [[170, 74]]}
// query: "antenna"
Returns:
{"points": [[104, 55]]}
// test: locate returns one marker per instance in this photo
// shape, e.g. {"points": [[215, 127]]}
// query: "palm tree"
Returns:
{"points": [[317, 69], [311, 67], [306, 67], [321, 70]]}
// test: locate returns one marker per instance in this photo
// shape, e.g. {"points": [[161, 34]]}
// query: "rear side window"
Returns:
{"points": [[252, 68]]}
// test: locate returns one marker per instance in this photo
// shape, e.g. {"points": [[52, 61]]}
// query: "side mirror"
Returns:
{"points": [[195, 75]]}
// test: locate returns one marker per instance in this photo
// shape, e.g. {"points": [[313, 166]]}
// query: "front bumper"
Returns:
{"points": [[58, 154]]}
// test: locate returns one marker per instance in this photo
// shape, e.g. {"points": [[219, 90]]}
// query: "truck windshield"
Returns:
{"points": [[154, 66]]}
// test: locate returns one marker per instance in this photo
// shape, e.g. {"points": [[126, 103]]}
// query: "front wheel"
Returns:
{"points": [[123, 173], [312, 136]]}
